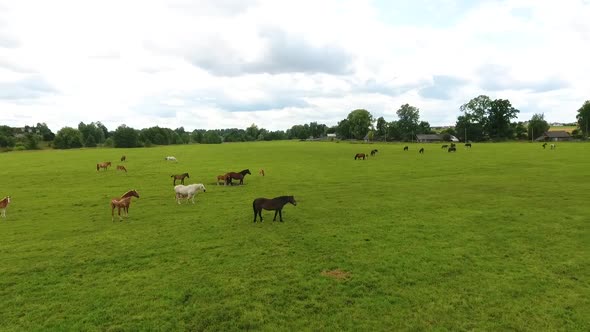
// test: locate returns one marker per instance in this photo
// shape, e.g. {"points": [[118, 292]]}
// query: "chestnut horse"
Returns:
{"points": [[236, 176], [104, 165], [222, 178], [275, 204], [122, 202], [180, 177], [4, 205], [360, 155], [121, 168]]}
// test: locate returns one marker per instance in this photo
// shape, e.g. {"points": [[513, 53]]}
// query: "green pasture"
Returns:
{"points": [[490, 239]]}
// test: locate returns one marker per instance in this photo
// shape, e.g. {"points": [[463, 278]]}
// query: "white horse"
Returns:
{"points": [[172, 158], [188, 192], [3, 205], [552, 146]]}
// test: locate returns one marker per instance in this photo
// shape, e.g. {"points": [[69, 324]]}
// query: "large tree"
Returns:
{"points": [[125, 137], [68, 138], [381, 128], [360, 122], [498, 121], [583, 118], [343, 129], [537, 126], [408, 122]]}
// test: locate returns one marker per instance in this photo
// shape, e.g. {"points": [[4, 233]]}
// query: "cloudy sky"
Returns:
{"points": [[231, 63]]}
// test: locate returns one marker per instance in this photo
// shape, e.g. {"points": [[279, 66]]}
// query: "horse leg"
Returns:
{"points": [[281, 214], [112, 212], [275, 218]]}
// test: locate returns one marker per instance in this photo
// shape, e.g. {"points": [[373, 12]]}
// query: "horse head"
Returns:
{"points": [[291, 200]]}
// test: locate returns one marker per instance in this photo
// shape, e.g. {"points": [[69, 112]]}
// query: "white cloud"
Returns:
{"points": [[221, 64]]}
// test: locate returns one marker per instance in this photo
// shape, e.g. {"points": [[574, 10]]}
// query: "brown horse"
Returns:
{"points": [[4, 205], [236, 176], [261, 172], [121, 168], [104, 165], [180, 177], [122, 203], [360, 155], [222, 178], [123, 158], [275, 204]]}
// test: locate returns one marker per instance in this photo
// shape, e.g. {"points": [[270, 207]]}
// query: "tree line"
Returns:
{"points": [[481, 119]]}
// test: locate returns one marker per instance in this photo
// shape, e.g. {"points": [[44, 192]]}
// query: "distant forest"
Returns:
{"points": [[482, 119]]}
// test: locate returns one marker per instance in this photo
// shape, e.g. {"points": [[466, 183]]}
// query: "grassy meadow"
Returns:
{"points": [[492, 238]]}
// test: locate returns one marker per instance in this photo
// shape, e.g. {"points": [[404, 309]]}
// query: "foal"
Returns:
{"points": [[179, 177], [4, 205], [121, 168], [122, 203]]}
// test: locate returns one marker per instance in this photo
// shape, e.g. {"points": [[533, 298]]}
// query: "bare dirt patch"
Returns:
{"points": [[336, 274]]}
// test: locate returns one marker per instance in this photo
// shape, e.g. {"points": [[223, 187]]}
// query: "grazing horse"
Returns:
{"points": [[421, 150], [444, 146], [236, 176], [261, 172], [359, 156], [406, 148], [104, 165], [180, 177], [171, 158], [121, 168], [544, 145], [553, 146], [123, 158], [4, 205], [122, 203], [222, 178], [452, 149], [373, 152], [188, 192], [275, 204], [468, 145]]}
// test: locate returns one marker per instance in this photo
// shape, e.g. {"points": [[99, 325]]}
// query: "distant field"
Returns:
{"points": [[569, 129], [479, 239]]}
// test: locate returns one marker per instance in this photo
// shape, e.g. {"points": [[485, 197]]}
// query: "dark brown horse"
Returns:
{"points": [[122, 203], [406, 148], [180, 177], [360, 155], [123, 158], [275, 204], [373, 152], [236, 176], [104, 165]]}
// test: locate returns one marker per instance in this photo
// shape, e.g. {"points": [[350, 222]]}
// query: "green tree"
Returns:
{"points": [[537, 126], [125, 137], [424, 128], [360, 122], [498, 121], [211, 137], [583, 118], [46, 134], [466, 129], [381, 128], [31, 141], [407, 124], [520, 130], [343, 129], [251, 132], [67, 138], [90, 142]]}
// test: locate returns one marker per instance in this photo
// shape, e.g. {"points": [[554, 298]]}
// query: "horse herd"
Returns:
{"points": [[189, 192], [451, 148]]}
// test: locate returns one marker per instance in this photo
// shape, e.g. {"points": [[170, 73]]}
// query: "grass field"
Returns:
{"points": [[492, 238]]}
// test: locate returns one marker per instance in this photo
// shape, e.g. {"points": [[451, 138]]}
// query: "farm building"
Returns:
{"points": [[554, 136], [428, 138]]}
